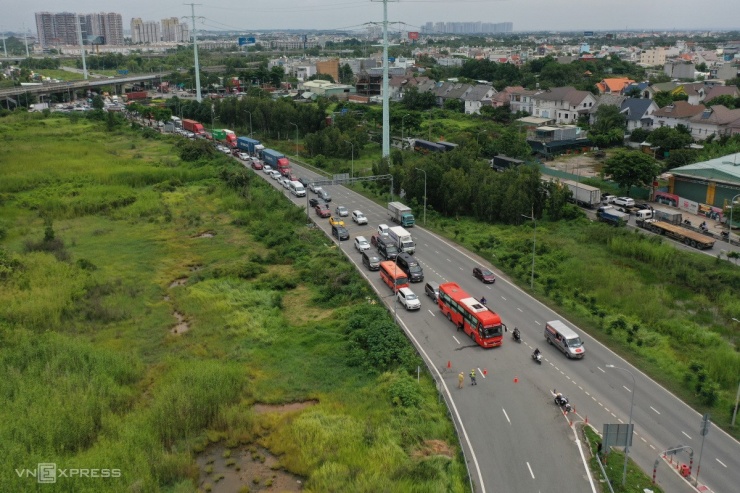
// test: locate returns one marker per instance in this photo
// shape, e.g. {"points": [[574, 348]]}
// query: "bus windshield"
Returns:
{"points": [[492, 331], [401, 280]]}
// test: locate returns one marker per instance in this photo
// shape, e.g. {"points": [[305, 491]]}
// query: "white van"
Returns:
{"points": [[296, 188], [565, 339]]}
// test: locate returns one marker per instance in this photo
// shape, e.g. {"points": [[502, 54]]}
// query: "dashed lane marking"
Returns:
{"points": [[430, 311], [601, 369], [651, 407], [723, 464], [686, 435], [530, 470], [625, 388], [456, 339], [520, 309], [506, 415]]}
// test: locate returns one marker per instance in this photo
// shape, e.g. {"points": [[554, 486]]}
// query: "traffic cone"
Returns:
{"points": [[449, 364], [485, 372], [516, 379]]}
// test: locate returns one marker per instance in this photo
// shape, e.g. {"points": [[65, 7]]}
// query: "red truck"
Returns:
{"points": [[136, 96], [193, 126]]}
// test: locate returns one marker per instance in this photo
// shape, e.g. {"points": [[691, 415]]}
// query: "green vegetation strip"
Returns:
{"points": [[148, 301]]}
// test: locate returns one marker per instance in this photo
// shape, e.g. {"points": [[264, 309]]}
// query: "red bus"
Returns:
{"points": [[392, 275], [481, 324]]}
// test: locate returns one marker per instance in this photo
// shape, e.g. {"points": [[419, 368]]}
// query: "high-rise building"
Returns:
{"points": [[137, 26], [144, 31], [171, 30], [62, 28], [184, 33]]}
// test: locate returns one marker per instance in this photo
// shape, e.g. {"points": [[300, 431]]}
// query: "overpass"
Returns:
{"points": [[47, 89]]}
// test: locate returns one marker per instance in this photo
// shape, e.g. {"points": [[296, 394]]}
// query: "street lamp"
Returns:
{"points": [[729, 231], [629, 426], [402, 141], [534, 245], [250, 122], [296, 137], [352, 173], [425, 194]]}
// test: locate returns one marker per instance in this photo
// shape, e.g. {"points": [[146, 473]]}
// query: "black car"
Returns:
{"points": [[387, 249], [313, 202], [304, 181], [370, 260], [432, 290], [340, 233], [484, 275]]}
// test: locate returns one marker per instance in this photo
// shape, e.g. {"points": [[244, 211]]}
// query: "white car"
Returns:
{"points": [[624, 202], [284, 181], [341, 211], [275, 174], [359, 217], [267, 169], [408, 299], [361, 244], [383, 229], [316, 190], [243, 156]]}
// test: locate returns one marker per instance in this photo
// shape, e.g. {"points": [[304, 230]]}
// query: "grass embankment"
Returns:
{"points": [[666, 310], [95, 227]]}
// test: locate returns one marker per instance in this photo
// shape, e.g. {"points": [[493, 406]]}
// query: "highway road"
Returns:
{"points": [[516, 439]]}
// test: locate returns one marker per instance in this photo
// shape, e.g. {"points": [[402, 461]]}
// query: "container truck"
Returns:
{"points": [[248, 145], [193, 126], [136, 95], [665, 215], [224, 136], [609, 214], [401, 214], [678, 233], [402, 239], [584, 195], [277, 160]]}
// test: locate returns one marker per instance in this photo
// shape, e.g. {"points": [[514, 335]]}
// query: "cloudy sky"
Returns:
{"points": [[527, 15]]}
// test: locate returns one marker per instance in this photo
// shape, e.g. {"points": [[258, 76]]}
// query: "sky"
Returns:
{"points": [[526, 15]]}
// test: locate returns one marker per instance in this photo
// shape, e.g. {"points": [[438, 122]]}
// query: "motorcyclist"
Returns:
{"points": [[483, 300], [536, 352], [516, 333]]}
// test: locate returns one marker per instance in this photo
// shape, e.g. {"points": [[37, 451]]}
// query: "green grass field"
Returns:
{"points": [[108, 241]]}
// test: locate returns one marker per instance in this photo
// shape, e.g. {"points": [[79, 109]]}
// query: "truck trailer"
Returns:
{"points": [[224, 136], [584, 195], [277, 160], [248, 145], [193, 126], [401, 214], [610, 215], [678, 233], [402, 239]]}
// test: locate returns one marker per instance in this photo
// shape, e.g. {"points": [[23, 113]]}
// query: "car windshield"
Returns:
{"points": [[411, 296], [491, 331], [575, 342], [486, 272], [363, 243], [373, 259], [415, 268], [391, 249]]}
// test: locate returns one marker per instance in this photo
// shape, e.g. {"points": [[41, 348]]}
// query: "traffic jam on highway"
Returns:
{"points": [[528, 381]]}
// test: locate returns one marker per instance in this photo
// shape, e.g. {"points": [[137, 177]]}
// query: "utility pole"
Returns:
{"points": [[82, 47], [5, 50], [25, 39], [386, 152], [195, 53]]}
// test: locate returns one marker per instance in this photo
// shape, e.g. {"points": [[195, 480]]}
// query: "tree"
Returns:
{"points": [[663, 98], [725, 100], [419, 101], [668, 138], [98, 103], [630, 168], [608, 117], [346, 76]]}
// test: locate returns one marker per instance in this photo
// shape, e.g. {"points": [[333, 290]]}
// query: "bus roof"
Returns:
{"points": [[483, 313]]}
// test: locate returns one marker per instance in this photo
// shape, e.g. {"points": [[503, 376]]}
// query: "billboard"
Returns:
{"points": [[588, 33], [242, 41], [413, 35]]}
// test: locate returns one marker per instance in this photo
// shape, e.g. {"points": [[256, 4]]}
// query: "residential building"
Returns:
{"points": [[563, 104], [617, 85], [146, 32], [679, 69], [171, 31], [653, 58], [476, 97], [520, 99], [638, 113], [107, 25], [677, 113], [329, 67], [57, 29], [327, 89], [714, 120]]}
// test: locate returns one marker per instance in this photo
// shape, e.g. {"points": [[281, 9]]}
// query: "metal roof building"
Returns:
{"points": [[712, 182]]}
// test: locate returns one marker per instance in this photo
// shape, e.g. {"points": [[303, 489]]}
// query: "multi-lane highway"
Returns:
{"points": [[515, 438]]}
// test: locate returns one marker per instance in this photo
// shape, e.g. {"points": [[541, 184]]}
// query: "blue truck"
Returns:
{"points": [[251, 146], [277, 160], [610, 215]]}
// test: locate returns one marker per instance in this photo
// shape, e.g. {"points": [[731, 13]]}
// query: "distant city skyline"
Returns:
{"points": [[526, 15]]}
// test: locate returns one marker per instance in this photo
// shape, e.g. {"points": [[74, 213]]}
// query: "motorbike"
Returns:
{"points": [[725, 235], [561, 401], [516, 335], [537, 357]]}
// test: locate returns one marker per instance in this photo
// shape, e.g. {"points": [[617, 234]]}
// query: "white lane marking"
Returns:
{"points": [[530, 470], [607, 409], [503, 298], [460, 268], [593, 399], [430, 311], [456, 339], [481, 373], [436, 251], [652, 447], [620, 420], [651, 407], [448, 260], [686, 435], [602, 370], [488, 287], [507, 416], [625, 388], [723, 464], [588, 394], [519, 309], [613, 415], [537, 322], [643, 439], [581, 388]]}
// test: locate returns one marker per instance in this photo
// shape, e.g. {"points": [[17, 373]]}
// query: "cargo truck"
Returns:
{"points": [[193, 126], [224, 136], [664, 215], [584, 195], [401, 214], [402, 239], [277, 160], [678, 233], [609, 214], [249, 145], [136, 95]]}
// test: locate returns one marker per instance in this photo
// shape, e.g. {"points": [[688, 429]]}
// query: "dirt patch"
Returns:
{"points": [[206, 234], [282, 408], [584, 165], [182, 326], [178, 282], [434, 447], [250, 469]]}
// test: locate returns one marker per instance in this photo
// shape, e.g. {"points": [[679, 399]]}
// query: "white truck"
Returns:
{"points": [[402, 239]]}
